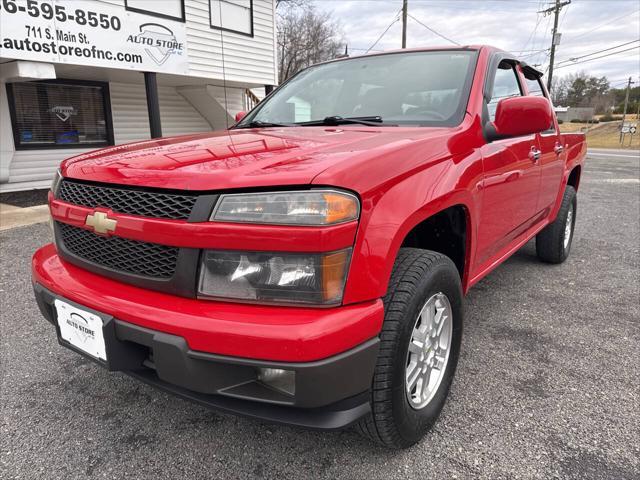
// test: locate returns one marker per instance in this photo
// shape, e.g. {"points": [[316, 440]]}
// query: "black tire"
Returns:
{"points": [[550, 246], [417, 275]]}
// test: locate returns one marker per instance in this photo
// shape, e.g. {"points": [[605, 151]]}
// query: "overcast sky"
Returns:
{"points": [[587, 26]]}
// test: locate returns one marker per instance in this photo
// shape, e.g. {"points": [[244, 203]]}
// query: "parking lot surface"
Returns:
{"points": [[547, 384]]}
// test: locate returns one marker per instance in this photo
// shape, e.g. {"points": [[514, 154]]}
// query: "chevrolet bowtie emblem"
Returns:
{"points": [[101, 223]]}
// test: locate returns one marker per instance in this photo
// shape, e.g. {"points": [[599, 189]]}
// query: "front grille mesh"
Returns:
{"points": [[120, 254], [134, 202]]}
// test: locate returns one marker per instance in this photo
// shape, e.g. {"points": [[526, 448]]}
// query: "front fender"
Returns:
{"points": [[388, 215]]}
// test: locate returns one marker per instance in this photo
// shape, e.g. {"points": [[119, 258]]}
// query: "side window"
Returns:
{"points": [[534, 87], [505, 85]]}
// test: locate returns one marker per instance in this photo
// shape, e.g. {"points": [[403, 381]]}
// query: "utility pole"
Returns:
{"points": [[404, 22], [624, 111], [555, 37]]}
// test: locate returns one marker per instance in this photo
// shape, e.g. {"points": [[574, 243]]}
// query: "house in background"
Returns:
{"points": [[567, 114], [76, 75]]}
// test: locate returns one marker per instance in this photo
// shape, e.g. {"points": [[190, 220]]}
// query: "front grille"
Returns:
{"points": [[120, 254], [134, 202]]}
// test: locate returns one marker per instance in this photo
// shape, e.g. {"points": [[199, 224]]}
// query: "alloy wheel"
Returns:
{"points": [[428, 352]]}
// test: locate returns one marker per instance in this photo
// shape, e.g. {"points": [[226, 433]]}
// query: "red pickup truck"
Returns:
{"points": [[308, 265]]}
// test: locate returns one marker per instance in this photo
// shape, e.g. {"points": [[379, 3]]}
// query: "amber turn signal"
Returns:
{"points": [[334, 269], [340, 208]]}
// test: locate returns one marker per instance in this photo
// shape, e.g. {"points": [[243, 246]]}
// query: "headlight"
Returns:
{"points": [[274, 277], [312, 207], [55, 182]]}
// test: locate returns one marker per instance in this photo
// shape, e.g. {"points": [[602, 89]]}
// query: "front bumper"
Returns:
{"points": [[331, 392], [287, 334]]}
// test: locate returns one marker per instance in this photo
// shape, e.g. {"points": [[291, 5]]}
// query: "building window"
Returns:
{"points": [[60, 114], [170, 9], [232, 15]]}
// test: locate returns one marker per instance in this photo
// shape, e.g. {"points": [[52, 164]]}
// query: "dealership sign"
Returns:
{"points": [[85, 32]]}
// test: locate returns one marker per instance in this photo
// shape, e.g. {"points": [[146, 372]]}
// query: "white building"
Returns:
{"points": [[76, 75]]}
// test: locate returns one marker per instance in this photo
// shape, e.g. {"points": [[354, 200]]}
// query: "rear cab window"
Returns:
{"points": [[534, 88]]}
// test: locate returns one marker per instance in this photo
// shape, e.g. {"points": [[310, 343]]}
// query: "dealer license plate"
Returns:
{"points": [[81, 329]]}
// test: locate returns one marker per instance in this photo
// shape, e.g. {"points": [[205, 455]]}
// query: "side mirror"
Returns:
{"points": [[518, 116], [240, 116]]}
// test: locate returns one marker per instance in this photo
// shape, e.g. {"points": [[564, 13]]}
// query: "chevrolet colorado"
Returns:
{"points": [[308, 265]]}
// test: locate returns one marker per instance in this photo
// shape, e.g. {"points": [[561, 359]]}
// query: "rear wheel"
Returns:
{"points": [[553, 244], [419, 348]]}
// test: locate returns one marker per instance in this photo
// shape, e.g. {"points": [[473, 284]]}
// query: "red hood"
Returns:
{"points": [[240, 158]]}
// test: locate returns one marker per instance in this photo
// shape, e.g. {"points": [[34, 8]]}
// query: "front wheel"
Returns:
{"points": [[553, 244], [419, 348]]}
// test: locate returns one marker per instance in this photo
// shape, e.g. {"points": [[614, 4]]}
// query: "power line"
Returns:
{"points": [[365, 49], [604, 24], [601, 56], [563, 15], [532, 36], [617, 84], [433, 31], [545, 34], [484, 6], [555, 37], [395, 19], [573, 59], [530, 50], [533, 32], [537, 53]]}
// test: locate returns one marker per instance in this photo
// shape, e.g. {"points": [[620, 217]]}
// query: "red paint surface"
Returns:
{"points": [[523, 115], [224, 236], [252, 331], [402, 175]]}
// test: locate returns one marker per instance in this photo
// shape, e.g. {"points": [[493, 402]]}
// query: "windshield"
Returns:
{"points": [[415, 88]]}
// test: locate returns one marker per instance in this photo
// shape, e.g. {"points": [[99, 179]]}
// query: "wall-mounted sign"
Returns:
{"points": [[91, 33]]}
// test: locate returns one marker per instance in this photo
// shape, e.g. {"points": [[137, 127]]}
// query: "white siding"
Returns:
{"points": [[34, 168], [249, 60], [129, 112], [233, 102], [131, 121], [246, 59], [178, 116]]}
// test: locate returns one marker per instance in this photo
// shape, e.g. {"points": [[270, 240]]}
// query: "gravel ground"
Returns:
{"points": [[547, 385]]}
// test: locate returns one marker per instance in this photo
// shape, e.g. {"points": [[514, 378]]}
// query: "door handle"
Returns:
{"points": [[534, 154], [558, 149]]}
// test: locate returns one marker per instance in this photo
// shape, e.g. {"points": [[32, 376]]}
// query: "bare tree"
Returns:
{"points": [[559, 87], [305, 37], [581, 90], [291, 3]]}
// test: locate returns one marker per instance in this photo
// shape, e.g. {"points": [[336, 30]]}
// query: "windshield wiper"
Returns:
{"points": [[261, 124], [373, 120], [333, 121]]}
